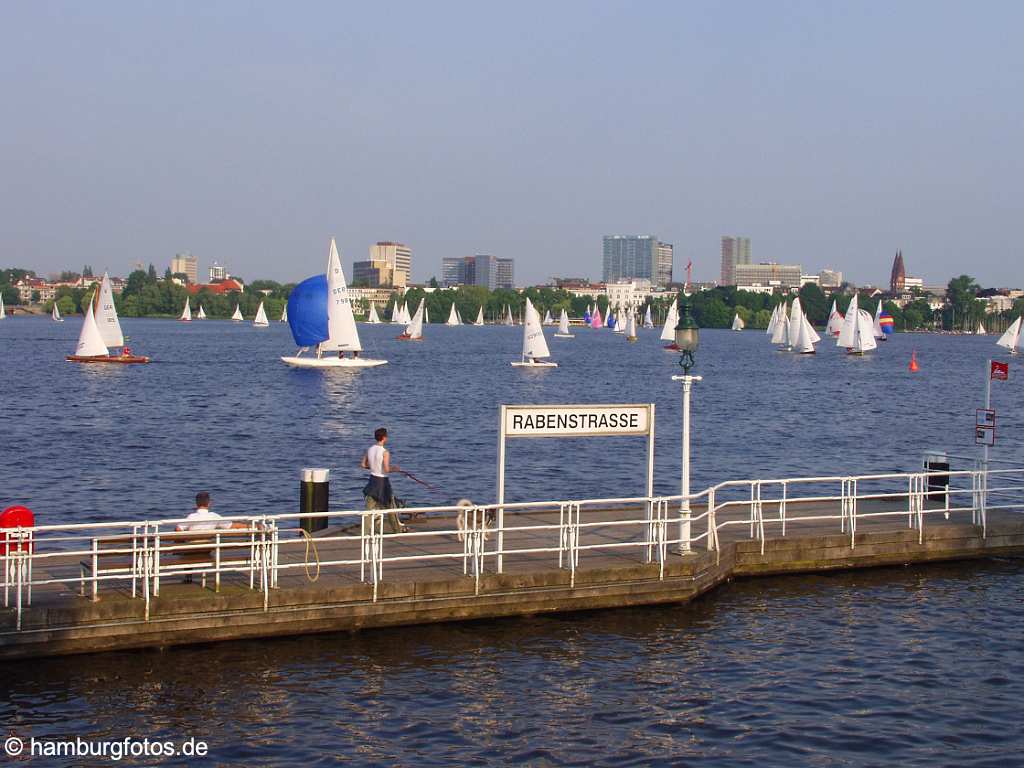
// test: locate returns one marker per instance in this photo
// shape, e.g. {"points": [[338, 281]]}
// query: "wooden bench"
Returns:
{"points": [[174, 553]]}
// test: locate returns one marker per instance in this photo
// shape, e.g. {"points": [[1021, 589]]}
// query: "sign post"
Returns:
{"points": [[584, 420]]}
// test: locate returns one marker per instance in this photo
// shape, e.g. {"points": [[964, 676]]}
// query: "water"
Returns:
{"points": [[218, 411], [915, 666]]}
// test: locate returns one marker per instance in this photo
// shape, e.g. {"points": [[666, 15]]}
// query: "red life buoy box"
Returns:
{"points": [[15, 517]]}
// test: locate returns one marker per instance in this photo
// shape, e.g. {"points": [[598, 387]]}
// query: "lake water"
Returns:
{"points": [[915, 666]]}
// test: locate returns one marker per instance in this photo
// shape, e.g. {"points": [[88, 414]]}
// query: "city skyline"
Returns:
{"points": [[511, 150]]}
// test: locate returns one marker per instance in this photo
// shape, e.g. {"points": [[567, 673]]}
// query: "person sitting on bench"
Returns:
{"points": [[205, 520]]}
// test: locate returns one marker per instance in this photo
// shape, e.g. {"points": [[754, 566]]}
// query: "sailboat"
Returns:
{"points": [[321, 316], [453, 316], [479, 316], [284, 314], [586, 315], [186, 313], [414, 329], [100, 330], [547, 318], [3, 312], [373, 319], [631, 327], [261, 321], [595, 320], [858, 332], [563, 327], [1011, 340], [981, 329], [619, 325], [835, 320], [668, 332], [773, 321], [237, 314], [648, 321], [780, 333], [509, 320], [737, 323], [804, 336], [201, 314], [877, 322], [54, 313], [535, 347], [796, 312], [426, 313], [611, 321]]}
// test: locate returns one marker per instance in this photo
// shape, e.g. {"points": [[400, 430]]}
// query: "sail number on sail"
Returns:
{"points": [[576, 420]]}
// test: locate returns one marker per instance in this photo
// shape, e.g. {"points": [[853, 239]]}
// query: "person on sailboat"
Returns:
{"points": [[377, 492]]}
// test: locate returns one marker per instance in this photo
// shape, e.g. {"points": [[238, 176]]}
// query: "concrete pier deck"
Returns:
{"points": [[61, 621]]}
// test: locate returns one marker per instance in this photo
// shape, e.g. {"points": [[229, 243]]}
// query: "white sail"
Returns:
{"points": [[237, 315], [3, 312], [479, 316], [780, 334], [737, 323], [1011, 339], [426, 314], [631, 326], [848, 332], [341, 324], [509, 320], [458, 316], [186, 314], [373, 318], [807, 338], [648, 322], [201, 314], [773, 321], [835, 321], [563, 323], [547, 318], [668, 333], [865, 338], [981, 329], [54, 313], [90, 340], [879, 333], [535, 346], [414, 330], [261, 321], [453, 316], [619, 327], [106, 315], [796, 324], [284, 313]]}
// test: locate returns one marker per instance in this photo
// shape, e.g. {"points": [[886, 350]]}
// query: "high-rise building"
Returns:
{"points": [[186, 264], [735, 250], [663, 267], [372, 274], [399, 256], [830, 278], [217, 272], [898, 278], [627, 257], [489, 271]]}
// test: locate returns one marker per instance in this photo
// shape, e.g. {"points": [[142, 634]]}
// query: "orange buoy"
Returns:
{"points": [[914, 368]]}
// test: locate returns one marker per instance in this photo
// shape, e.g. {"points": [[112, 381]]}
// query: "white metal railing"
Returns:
{"points": [[649, 530]]}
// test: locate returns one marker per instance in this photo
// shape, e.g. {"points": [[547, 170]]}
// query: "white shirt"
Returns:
{"points": [[375, 460], [205, 521]]}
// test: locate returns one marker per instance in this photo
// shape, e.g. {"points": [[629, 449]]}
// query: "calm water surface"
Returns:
{"points": [[910, 666]]}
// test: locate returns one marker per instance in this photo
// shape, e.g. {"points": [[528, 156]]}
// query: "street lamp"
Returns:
{"points": [[687, 339]]}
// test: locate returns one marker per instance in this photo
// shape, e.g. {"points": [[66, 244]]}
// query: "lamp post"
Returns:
{"points": [[687, 338]]}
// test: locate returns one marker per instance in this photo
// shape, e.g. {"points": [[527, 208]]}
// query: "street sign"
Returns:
{"points": [[985, 417], [576, 420], [985, 436]]}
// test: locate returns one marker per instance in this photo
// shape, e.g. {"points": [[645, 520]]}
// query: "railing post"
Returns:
{"points": [[712, 528]]}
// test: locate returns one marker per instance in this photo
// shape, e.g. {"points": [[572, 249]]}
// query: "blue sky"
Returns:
{"points": [[829, 133]]}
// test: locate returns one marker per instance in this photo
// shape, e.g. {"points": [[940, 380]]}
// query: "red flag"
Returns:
{"points": [[1000, 371]]}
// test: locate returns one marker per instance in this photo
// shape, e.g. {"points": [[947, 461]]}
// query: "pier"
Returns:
{"points": [[81, 588]]}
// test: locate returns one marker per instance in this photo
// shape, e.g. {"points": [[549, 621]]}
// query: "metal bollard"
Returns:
{"points": [[314, 496]]}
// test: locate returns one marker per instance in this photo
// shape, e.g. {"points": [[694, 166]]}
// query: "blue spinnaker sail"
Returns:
{"points": [[586, 318], [307, 311], [611, 320]]}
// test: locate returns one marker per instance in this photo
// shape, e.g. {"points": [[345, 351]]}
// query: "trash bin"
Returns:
{"points": [[938, 485], [314, 496]]}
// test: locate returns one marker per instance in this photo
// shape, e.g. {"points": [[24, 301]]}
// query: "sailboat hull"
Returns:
{"points": [[332, 362], [407, 337], [564, 336], [533, 364], [122, 359]]}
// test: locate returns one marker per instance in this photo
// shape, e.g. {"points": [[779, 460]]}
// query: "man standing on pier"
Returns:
{"points": [[378, 491]]}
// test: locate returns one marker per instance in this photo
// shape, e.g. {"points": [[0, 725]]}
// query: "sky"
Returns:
{"points": [[250, 133]]}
